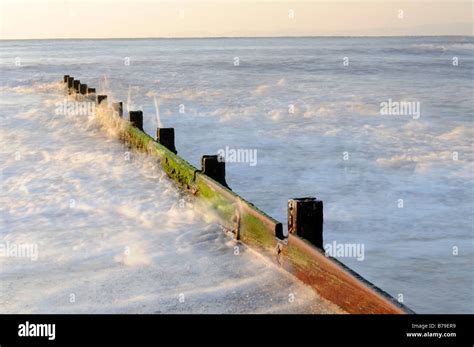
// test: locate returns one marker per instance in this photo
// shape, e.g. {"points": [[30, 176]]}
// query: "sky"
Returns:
{"points": [[41, 19]]}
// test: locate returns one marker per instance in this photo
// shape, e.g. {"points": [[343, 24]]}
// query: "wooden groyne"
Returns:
{"points": [[299, 252]]}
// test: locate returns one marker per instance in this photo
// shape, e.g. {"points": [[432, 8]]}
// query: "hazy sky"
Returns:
{"points": [[120, 19]]}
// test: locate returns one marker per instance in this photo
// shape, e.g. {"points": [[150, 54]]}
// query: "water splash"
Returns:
{"points": [[131, 96], [159, 124], [104, 85]]}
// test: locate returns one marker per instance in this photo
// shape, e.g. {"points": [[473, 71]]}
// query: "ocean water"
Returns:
{"points": [[401, 186], [105, 231]]}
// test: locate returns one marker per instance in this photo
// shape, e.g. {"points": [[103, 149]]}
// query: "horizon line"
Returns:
{"points": [[227, 37]]}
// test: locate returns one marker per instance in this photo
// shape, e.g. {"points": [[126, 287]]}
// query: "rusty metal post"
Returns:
{"points": [[214, 167], [305, 219], [165, 137], [136, 118]]}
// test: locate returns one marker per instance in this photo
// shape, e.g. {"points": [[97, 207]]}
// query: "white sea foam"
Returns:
{"points": [[261, 89], [460, 132], [281, 82], [184, 94], [113, 235], [421, 162], [429, 47], [50, 87], [442, 47]]}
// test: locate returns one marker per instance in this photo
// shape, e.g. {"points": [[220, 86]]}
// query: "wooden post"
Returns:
{"points": [[165, 137], [90, 90], [70, 82], [136, 118], [305, 219], [83, 89], [214, 167], [66, 77], [76, 85], [101, 98], [117, 107]]}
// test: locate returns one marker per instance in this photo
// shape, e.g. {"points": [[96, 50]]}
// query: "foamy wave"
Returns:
{"points": [[260, 90], [428, 47], [277, 114], [431, 47], [458, 133], [418, 162], [184, 94], [462, 46], [318, 111], [230, 113], [114, 124], [28, 114], [54, 87], [362, 108], [330, 109]]}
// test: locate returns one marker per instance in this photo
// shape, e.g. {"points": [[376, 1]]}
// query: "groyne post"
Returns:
{"points": [[76, 85], [136, 118], [70, 82], [214, 167], [305, 219], [165, 137], [83, 89], [101, 98]]}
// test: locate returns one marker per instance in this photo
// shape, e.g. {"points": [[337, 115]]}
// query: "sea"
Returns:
{"points": [[378, 128]]}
